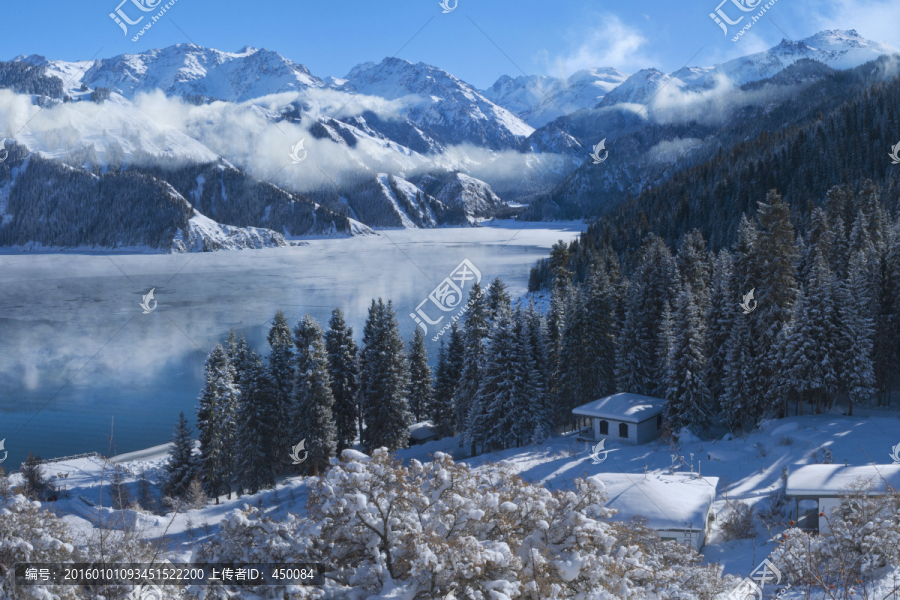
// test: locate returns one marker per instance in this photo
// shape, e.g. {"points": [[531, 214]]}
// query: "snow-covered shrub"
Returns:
{"points": [[426, 530], [29, 534], [863, 538], [740, 522]]}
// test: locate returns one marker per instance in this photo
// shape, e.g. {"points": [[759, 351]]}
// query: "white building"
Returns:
{"points": [[678, 507], [624, 417], [818, 489]]}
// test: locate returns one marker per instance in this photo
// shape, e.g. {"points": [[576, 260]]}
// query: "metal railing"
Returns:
{"points": [[48, 461]]}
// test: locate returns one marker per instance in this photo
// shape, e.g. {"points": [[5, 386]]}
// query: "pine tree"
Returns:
{"points": [[495, 410], [257, 418], [498, 298], [665, 341], [385, 381], [476, 330], [343, 368], [532, 351], [313, 399], [556, 326], [719, 319], [181, 467], [854, 300], [687, 396], [442, 414], [215, 423], [738, 394], [281, 383], [573, 369], [420, 380]]}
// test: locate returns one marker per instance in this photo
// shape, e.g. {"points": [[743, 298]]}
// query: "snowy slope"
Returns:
{"points": [[205, 235], [439, 102], [186, 69], [839, 49], [539, 99]]}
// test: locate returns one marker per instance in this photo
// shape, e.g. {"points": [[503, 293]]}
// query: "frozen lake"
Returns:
{"points": [[79, 360]]}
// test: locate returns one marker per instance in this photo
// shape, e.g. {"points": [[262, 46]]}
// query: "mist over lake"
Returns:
{"points": [[79, 360]]}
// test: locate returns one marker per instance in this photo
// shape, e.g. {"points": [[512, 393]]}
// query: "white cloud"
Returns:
{"points": [[611, 43]]}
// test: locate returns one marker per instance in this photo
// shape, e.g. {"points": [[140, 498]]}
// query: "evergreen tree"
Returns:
{"points": [[257, 418], [442, 414], [556, 327], [665, 341], [687, 396], [476, 330], [281, 383], [34, 484], [854, 300], [343, 368], [532, 350], [181, 467], [385, 381], [215, 423], [738, 393], [313, 399], [719, 318], [498, 298], [573, 369], [495, 411], [420, 380]]}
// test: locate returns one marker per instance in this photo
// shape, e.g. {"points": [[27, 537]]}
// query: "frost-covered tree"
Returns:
{"points": [[181, 467], [442, 414], [420, 379], [687, 396], [719, 319], [496, 409], [313, 399], [738, 392], [476, 330], [498, 297], [343, 368], [280, 369], [258, 420], [215, 423], [384, 380]]}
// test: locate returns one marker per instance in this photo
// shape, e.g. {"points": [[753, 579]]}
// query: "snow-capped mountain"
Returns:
{"points": [[839, 49], [441, 105], [539, 99], [187, 69], [639, 88]]}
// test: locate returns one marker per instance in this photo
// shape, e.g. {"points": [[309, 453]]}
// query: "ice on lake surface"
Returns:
{"points": [[78, 357]]}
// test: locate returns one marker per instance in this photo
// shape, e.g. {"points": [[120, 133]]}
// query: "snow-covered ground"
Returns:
{"points": [[748, 469]]}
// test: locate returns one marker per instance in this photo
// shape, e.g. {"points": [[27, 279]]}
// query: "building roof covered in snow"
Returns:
{"points": [[836, 480], [631, 408], [679, 501], [422, 431]]}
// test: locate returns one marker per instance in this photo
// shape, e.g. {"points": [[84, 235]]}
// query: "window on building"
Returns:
{"points": [[659, 421], [808, 515], [623, 430], [604, 427]]}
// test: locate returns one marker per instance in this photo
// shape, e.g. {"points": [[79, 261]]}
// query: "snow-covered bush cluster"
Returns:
{"points": [[863, 539], [441, 529]]}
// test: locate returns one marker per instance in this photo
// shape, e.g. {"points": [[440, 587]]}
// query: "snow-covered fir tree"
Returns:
{"points": [[687, 396], [181, 467], [420, 379], [343, 367], [280, 369], [720, 316], [215, 423], [442, 414], [497, 407], [498, 297], [258, 420], [476, 330], [384, 381], [313, 400]]}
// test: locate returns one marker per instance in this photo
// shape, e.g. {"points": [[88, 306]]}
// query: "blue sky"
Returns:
{"points": [[552, 38]]}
